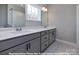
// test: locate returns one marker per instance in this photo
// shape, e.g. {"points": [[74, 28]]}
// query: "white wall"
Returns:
{"points": [[77, 31], [64, 18]]}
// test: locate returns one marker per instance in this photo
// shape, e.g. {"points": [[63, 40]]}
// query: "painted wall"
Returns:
{"points": [[77, 24], [64, 18], [3, 15]]}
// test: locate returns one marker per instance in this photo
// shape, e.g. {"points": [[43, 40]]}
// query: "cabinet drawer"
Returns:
{"points": [[44, 46], [15, 41], [53, 30], [44, 33], [33, 36], [44, 38]]}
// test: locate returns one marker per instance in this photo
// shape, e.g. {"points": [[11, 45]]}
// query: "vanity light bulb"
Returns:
{"points": [[44, 9]]}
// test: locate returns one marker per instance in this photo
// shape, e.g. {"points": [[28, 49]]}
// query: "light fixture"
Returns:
{"points": [[44, 9]]}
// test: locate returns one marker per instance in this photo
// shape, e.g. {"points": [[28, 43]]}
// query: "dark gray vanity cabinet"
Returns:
{"points": [[44, 40], [31, 43], [52, 36], [24, 44], [28, 47], [47, 38], [32, 46]]}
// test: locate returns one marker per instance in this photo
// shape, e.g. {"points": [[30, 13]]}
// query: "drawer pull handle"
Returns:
{"points": [[53, 33], [45, 38], [45, 45], [29, 46]]}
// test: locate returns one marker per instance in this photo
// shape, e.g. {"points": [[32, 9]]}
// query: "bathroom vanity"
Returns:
{"points": [[28, 42]]}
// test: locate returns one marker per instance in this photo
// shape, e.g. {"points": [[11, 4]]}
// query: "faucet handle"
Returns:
{"points": [[18, 29]]}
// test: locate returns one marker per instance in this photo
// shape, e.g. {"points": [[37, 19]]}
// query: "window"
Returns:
{"points": [[33, 13]]}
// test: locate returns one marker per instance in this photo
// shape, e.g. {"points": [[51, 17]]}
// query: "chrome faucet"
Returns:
{"points": [[18, 28], [45, 26]]}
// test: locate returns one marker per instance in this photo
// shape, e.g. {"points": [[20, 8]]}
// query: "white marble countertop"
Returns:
{"points": [[25, 31]]}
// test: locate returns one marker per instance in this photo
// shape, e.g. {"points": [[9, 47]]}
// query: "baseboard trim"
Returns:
{"points": [[69, 43]]}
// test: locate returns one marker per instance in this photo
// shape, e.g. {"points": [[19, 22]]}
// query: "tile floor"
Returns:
{"points": [[58, 48]]}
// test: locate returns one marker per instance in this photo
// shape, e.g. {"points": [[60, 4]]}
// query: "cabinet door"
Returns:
{"points": [[16, 50], [52, 36], [34, 46], [19, 49]]}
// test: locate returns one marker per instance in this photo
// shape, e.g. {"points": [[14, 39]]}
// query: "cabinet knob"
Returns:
{"points": [[45, 45], [52, 33], [45, 38]]}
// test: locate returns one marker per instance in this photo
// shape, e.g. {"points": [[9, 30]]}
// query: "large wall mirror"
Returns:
{"points": [[12, 15], [17, 15]]}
